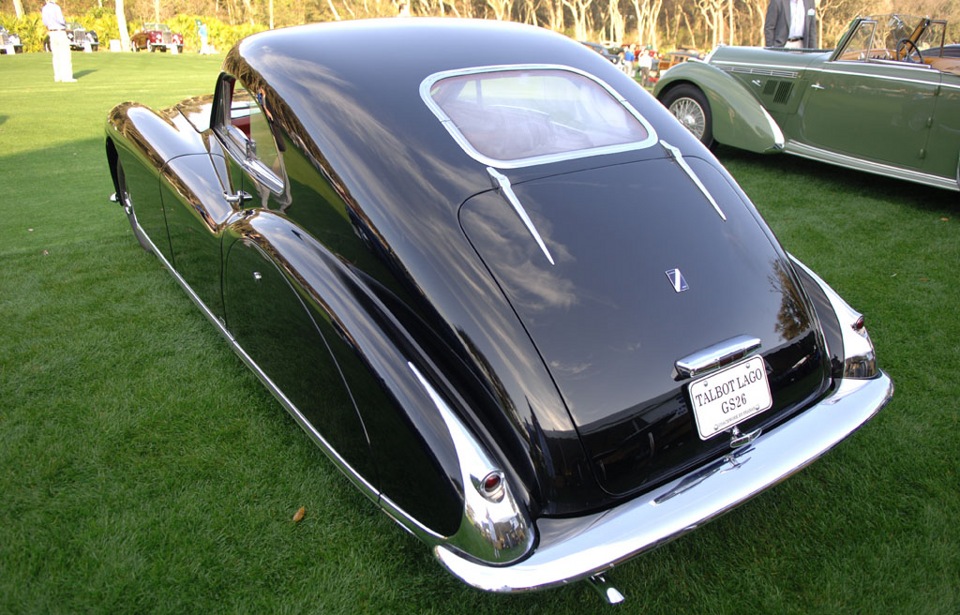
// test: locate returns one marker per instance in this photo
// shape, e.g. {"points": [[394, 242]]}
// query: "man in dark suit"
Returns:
{"points": [[791, 24]]}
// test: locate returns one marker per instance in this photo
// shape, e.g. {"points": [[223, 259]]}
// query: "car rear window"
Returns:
{"points": [[520, 116]]}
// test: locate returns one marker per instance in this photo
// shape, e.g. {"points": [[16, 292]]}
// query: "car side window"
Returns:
{"points": [[247, 129]]}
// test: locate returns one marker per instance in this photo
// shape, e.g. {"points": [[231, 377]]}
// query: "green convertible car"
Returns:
{"points": [[885, 101]]}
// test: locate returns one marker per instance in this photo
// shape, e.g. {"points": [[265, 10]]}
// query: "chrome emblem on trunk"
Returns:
{"points": [[677, 280]]}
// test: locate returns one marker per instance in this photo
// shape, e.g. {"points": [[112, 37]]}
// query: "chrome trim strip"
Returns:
{"points": [[735, 67], [462, 141], [815, 153], [574, 549], [775, 70], [675, 152], [884, 77], [785, 70], [718, 355], [411, 525], [503, 183]]}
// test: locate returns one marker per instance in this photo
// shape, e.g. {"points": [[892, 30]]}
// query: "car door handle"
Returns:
{"points": [[817, 86], [240, 197]]}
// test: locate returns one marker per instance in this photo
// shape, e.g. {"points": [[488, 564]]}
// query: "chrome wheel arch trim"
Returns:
{"points": [[858, 348], [495, 528]]}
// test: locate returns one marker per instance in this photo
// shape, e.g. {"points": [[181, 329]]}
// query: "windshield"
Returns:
{"points": [[893, 37], [518, 116]]}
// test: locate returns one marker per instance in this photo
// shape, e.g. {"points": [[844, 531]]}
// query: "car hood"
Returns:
{"points": [[782, 58], [607, 317]]}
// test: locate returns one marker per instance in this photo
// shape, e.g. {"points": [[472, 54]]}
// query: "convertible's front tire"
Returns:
{"points": [[123, 197], [689, 105]]}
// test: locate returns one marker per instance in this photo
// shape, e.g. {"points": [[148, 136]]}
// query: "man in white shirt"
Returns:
{"points": [[791, 24], [59, 44], [644, 63]]}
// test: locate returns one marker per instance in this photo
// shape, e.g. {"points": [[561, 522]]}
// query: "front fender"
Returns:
{"points": [[739, 120]]}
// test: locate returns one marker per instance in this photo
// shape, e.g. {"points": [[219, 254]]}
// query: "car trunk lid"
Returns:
{"points": [[647, 270]]}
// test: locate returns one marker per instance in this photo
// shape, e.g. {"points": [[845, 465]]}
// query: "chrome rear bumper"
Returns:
{"points": [[574, 549]]}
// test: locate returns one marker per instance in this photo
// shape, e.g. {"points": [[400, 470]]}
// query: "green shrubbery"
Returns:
{"points": [[222, 36], [30, 30]]}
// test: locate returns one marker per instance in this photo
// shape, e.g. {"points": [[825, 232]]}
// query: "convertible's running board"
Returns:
{"points": [[815, 153], [583, 547]]}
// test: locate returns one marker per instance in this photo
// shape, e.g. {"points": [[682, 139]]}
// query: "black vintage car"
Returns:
{"points": [[518, 304], [80, 38]]}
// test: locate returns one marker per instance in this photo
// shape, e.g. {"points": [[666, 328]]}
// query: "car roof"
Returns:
{"points": [[300, 66], [367, 125]]}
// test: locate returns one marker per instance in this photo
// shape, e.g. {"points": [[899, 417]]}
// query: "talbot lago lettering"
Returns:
{"points": [[733, 385], [416, 322]]}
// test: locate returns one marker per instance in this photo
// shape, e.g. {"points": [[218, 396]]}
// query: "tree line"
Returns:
{"points": [[662, 24]]}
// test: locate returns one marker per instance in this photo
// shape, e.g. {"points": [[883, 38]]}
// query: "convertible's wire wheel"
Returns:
{"points": [[690, 114]]}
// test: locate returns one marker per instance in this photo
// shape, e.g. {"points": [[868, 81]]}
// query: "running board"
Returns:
{"points": [[877, 168]]}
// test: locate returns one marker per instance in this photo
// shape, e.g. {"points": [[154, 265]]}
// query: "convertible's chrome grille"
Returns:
{"points": [[167, 37]]}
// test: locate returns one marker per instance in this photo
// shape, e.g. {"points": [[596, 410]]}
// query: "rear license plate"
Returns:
{"points": [[730, 396]]}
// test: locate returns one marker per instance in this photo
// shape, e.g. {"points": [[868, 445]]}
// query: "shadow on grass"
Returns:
{"points": [[83, 73], [840, 179]]}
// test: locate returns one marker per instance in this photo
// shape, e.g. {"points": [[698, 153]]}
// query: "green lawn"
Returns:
{"points": [[143, 468]]}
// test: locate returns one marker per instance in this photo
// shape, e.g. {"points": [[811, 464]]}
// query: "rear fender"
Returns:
{"points": [[739, 120], [423, 458]]}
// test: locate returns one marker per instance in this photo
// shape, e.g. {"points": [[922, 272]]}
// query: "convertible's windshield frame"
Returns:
{"points": [[564, 141], [875, 38]]}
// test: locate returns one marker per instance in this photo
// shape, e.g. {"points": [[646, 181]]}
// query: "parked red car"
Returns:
{"points": [[154, 36]]}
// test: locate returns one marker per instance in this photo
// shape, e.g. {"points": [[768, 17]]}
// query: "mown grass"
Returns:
{"points": [[144, 469]]}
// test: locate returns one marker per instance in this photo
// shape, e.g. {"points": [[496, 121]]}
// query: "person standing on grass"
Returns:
{"points": [[59, 44], [202, 30], [645, 64]]}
